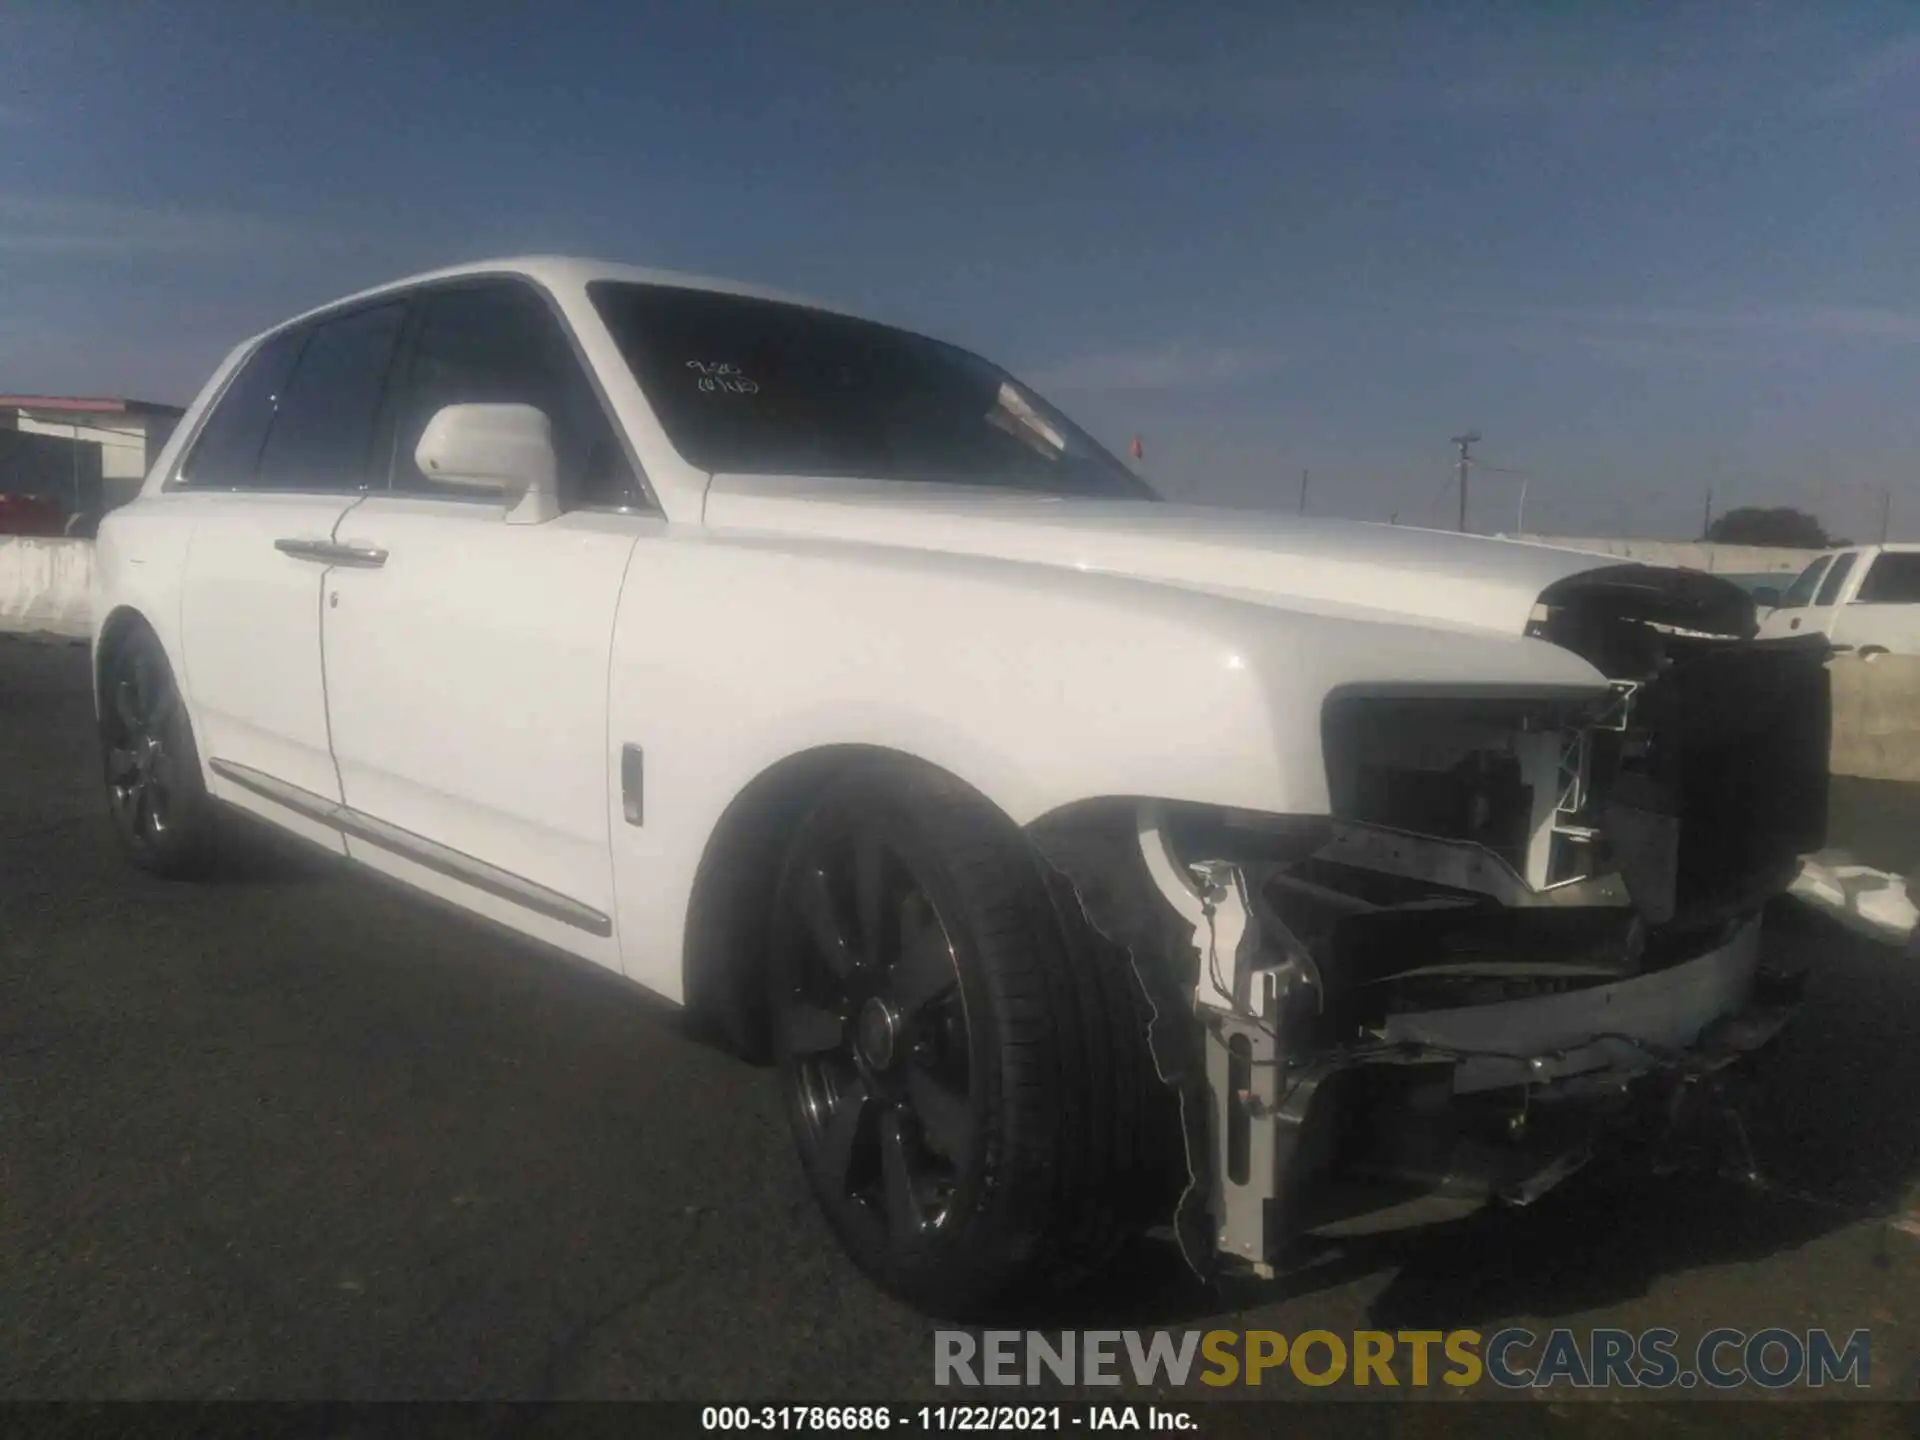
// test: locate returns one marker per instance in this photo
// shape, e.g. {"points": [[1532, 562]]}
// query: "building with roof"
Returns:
{"points": [[89, 453]]}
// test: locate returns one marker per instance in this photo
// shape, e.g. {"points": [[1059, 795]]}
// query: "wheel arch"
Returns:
{"points": [[120, 622], [725, 945]]}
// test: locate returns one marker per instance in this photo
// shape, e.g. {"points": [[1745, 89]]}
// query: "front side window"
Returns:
{"points": [[227, 450], [496, 344], [1836, 579], [322, 429], [761, 387], [1893, 580], [1801, 591]]}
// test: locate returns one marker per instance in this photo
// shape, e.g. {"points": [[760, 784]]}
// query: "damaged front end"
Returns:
{"points": [[1528, 926]]}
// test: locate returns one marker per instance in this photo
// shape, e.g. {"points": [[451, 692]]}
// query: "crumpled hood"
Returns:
{"points": [[1326, 566]]}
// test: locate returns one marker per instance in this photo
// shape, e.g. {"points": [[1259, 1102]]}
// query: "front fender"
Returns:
{"points": [[1038, 687]]}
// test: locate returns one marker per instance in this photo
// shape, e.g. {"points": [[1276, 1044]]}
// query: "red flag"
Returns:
{"points": [[1139, 452]]}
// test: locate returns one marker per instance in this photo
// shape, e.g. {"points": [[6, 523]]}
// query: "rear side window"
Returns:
{"points": [[498, 344], [1893, 580], [228, 448], [323, 426], [1801, 591], [1836, 579]]}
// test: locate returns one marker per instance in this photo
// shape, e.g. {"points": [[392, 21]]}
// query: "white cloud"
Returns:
{"points": [[1808, 324], [1871, 74], [73, 225], [34, 226], [1263, 70], [1175, 365]]}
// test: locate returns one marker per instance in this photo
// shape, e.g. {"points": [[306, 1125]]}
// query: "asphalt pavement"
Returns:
{"points": [[295, 1135]]}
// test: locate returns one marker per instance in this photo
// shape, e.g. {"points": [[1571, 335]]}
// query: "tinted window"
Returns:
{"points": [[1893, 580], [499, 344], [323, 428], [1801, 591], [1836, 578], [761, 387], [228, 448]]}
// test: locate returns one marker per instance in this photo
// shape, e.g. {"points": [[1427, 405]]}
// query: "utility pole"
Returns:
{"points": [[1706, 520], [1303, 491], [1886, 512], [1471, 438]]}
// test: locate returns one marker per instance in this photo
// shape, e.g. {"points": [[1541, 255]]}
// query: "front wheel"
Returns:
{"points": [[955, 1088], [157, 797]]}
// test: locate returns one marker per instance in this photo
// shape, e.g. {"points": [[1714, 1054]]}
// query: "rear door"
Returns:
{"points": [[281, 459], [467, 672], [1883, 612]]}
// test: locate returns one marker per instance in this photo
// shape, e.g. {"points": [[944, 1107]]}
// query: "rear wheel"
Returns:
{"points": [[156, 794], [952, 1092]]}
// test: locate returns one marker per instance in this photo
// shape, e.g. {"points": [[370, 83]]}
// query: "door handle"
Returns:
{"points": [[328, 552], [367, 557]]}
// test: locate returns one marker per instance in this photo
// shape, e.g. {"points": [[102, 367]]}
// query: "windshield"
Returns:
{"points": [[1801, 591], [760, 387]]}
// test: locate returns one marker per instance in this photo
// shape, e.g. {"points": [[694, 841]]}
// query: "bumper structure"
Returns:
{"points": [[1436, 1112], [1320, 1096]]}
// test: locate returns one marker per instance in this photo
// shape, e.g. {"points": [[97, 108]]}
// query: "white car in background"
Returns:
{"points": [[1865, 600], [1084, 861]]}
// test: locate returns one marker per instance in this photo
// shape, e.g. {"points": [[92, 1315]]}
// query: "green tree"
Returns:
{"points": [[1779, 525]]}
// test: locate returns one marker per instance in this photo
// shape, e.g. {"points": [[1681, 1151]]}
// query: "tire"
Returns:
{"points": [[956, 1088], [162, 815]]}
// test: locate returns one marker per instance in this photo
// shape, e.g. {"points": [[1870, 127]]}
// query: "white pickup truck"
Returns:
{"points": [[1865, 600]]}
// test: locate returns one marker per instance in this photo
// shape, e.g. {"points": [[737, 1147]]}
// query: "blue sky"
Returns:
{"points": [[1642, 248]]}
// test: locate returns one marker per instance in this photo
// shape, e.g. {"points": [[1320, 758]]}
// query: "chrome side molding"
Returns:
{"points": [[431, 854]]}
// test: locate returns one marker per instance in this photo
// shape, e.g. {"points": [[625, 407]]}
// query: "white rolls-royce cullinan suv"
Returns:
{"points": [[1085, 862]]}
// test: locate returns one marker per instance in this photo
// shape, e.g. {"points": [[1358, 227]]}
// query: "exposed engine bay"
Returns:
{"points": [[1530, 922]]}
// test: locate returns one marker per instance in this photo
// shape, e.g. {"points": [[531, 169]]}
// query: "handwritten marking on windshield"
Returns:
{"points": [[720, 376]]}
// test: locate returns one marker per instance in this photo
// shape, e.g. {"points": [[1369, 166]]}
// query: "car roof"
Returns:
{"points": [[558, 272]]}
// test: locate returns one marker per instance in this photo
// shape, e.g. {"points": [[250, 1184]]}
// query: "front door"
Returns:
{"points": [[1824, 608], [1789, 617], [467, 669]]}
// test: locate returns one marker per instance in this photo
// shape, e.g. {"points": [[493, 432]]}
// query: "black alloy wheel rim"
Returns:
{"points": [[140, 706], [875, 1028]]}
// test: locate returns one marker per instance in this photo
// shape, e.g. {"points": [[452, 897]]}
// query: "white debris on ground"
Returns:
{"points": [[1871, 902]]}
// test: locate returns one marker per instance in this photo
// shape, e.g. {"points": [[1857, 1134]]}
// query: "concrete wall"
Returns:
{"points": [[46, 586], [1876, 717], [1689, 554]]}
